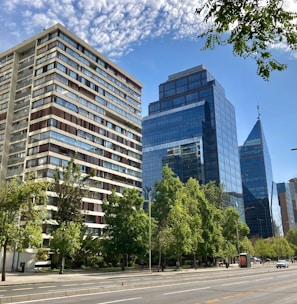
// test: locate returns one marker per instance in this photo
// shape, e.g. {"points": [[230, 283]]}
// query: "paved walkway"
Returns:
{"points": [[13, 278]]}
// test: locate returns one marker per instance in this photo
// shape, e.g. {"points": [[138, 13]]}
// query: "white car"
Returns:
{"points": [[282, 264]]}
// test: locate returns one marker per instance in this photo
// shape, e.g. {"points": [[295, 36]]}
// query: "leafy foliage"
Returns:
{"points": [[234, 231], [254, 26], [66, 241], [127, 224], [179, 231], [70, 188], [263, 248], [69, 185], [89, 253], [167, 194], [21, 214], [282, 247], [214, 194]]}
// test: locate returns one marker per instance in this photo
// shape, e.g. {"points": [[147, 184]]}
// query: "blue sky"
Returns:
{"points": [[152, 39]]}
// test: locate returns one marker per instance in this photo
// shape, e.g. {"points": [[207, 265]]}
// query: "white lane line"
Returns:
{"points": [[236, 283], [188, 290], [122, 300], [265, 279]]}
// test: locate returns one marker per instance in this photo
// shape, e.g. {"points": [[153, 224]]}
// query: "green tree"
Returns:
{"points": [[66, 241], [167, 191], [230, 222], [212, 238], [215, 194], [291, 237], [247, 246], [263, 248], [234, 230], [251, 27], [89, 252], [178, 230], [127, 224], [70, 185], [282, 247], [194, 195], [21, 201]]}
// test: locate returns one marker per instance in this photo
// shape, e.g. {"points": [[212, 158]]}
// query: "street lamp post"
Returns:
{"points": [[150, 230], [149, 193], [260, 221]]}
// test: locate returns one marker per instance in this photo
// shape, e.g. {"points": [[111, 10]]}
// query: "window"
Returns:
{"points": [[61, 67]]}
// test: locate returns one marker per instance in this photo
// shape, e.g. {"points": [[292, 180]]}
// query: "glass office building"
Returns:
{"points": [[192, 128], [262, 210]]}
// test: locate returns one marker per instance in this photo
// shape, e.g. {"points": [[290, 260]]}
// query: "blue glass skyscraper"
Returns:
{"points": [[192, 128], [259, 191]]}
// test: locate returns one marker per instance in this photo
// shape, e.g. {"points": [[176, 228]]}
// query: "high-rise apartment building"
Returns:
{"points": [[285, 202], [59, 97], [259, 191], [192, 128]]}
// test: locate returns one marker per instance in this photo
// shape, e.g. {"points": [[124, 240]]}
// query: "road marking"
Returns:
{"points": [[67, 285], [235, 283], [122, 300], [213, 301], [88, 283], [263, 279], [47, 286], [23, 288], [188, 290]]}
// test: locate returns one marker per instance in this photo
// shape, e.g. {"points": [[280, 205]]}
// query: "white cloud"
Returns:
{"points": [[111, 26], [114, 27]]}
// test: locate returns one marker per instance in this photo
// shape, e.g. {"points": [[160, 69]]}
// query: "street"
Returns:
{"points": [[243, 287]]}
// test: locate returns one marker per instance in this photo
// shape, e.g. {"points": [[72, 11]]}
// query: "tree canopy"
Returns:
{"points": [[70, 187], [127, 224], [21, 214], [251, 27]]}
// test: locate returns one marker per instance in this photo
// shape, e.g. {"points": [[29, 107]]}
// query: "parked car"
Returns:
{"points": [[282, 264]]}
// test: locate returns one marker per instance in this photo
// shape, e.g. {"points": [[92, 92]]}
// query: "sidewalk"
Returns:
{"points": [[13, 278]]}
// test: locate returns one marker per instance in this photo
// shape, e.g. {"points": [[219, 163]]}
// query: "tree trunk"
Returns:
{"points": [[61, 263], [124, 261], [194, 261], [4, 261], [160, 259]]}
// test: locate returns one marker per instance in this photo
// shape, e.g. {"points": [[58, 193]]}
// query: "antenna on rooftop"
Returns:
{"points": [[258, 109]]}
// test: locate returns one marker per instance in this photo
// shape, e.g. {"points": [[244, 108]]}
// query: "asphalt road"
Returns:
{"points": [[257, 285]]}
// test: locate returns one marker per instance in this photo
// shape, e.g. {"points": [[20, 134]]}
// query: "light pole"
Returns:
{"points": [[149, 192], [260, 221], [150, 230]]}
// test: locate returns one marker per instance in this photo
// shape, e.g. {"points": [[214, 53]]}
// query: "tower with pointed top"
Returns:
{"points": [[259, 192]]}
